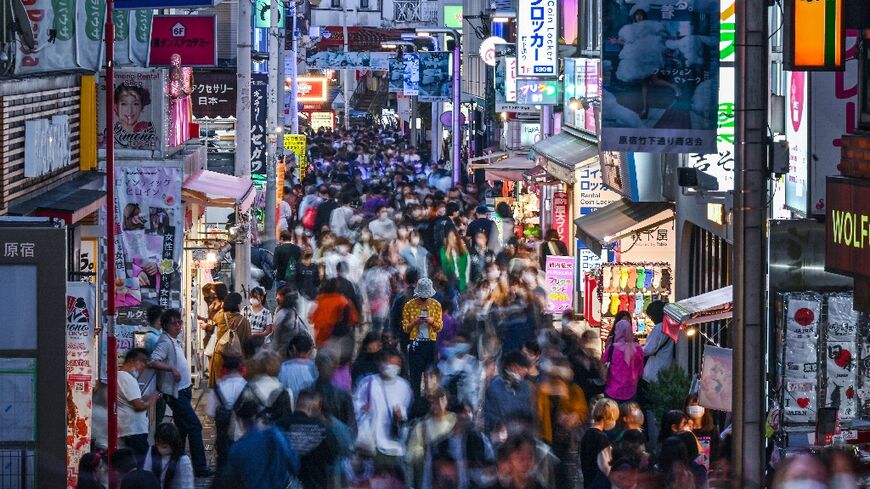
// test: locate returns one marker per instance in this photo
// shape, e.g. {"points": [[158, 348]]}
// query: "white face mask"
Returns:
{"points": [[529, 278], [163, 450], [135, 373], [255, 302], [695, 412], [415, 240], [403, 233], [493, 274], [843, 481], [343, 249], [384, 216], [299, 231], [513, 376], [390, 370]]}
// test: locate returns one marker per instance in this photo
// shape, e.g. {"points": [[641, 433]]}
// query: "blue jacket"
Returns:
{"points": [[505, 401], [264, 459]]}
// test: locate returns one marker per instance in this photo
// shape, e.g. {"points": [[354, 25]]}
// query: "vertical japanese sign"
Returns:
{"points": [[506, 80], [436, 84], [148, 248], [80, 315], [813, 34], [835, 112], [214, 94], [89, 260], [589, 196], [561, 219], [259, 85], [411, 74], [537, 38], [662, 94], [559, 272], [797, 135], [296, 143]]}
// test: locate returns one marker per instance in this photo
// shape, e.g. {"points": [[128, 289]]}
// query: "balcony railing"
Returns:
{"points": [[415, 12]]}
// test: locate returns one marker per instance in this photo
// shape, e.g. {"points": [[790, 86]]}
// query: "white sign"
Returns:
{"points": [[46, 145], [510, 80], [487, 49], [589, 196], [537, 38], [721, 164], [530, 133], [325, 119], [797, 135]]}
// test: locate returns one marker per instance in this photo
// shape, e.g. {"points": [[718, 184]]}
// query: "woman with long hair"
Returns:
{"points": [[228, 320], [454, 260], [93, 470], [166, 459], [625, 357]]}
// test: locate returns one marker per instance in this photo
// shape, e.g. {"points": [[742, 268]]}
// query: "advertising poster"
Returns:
{"points": [[660, 95], [80, 315], [53, 24], [560, 283], [537, 38], [589, 196], [259, 85], [322, 119], [561, 218], [148, 248], [581, 82], [411, 74], [141, 110], [506, 80], [797, 135], [436, 84], [397, 74], [717, 377], [296, 144], [89, 259], [214, 94], [539, 92], [352, 60], [190, 36]]}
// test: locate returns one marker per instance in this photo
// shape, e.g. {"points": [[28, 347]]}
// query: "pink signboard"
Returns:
{"points": [[560, 273], [190, 36], [561, 219]]}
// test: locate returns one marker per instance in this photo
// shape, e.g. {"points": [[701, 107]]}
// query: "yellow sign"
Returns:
{"points": [[297, 144], [815, 36]]}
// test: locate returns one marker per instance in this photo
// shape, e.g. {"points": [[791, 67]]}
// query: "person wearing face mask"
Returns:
{"points": [[363, 249], [508, 396], [132, 407], [340, 218], [803, 471], [415, 255], [381, 404], [595, 451], [444, 222], [705, 431], [460, 372], [383, 228], [430, 430], [166, 459], [454, 261], [479, 257], [259, 316]]}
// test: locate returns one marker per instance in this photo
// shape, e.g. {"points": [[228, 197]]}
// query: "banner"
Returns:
{"points": [[560, 274], [140, 37], [53, 27], [81, 311], [259, 85], [797, 122], [141, 110], [214, 94], [296, 144], [339, 60], [411, 76], [717, 378], [193, 37], [505, 80], [90, 23], [661, 96], [397, 75], [538, 38], [561, 219], [148, 248], [436, 84]]}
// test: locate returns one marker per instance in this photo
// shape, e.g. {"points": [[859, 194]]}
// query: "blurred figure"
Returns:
{"points": [[595, 453], [625, 357]]}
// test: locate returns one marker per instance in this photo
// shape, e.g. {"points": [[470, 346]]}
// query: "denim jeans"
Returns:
{"points": [[421, 356], [189, 426]]}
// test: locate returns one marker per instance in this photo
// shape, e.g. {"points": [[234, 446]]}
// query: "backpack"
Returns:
{"points": [[309, 218], [223, 414]]}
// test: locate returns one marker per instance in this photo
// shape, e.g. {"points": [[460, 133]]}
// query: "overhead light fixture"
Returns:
{"points": [[388, 45], [691, 332], [573, 103], [504, 116], [500, 20]]}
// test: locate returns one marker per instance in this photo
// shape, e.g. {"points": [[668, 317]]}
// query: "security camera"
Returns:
{"points": [[692, 177]]}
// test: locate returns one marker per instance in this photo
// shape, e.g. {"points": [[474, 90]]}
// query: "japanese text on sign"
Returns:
{"points": [[560, 283], [560, 215], [297, 144], [537, 38]]}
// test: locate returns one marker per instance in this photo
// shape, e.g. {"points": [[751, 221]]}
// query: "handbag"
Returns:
{"points": [[229, 345], [310, 217], [210, 346]]}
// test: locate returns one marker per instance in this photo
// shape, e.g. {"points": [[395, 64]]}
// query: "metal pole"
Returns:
{"points": [[111, 340], [244, 32], [345, 73], [457, 90], [294, 88], [281, 65], [414, 122], [272, 128], [436, 116], [749, 257]]}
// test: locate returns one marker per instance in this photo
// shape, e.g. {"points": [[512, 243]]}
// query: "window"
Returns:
{"points": [[335, 3], [590, 20], [18, 302], [364, 4]]}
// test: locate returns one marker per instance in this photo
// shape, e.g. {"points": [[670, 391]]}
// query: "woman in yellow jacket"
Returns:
{"points": [[561, 411], [422, 320]]}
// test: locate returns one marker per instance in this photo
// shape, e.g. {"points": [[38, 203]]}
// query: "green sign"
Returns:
{"points": [[262, 14], [453, 16]]}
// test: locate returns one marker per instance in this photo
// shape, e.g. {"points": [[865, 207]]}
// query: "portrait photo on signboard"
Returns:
{"points": [[661, 74], [140, 109], [435, 81], [717, 378]]}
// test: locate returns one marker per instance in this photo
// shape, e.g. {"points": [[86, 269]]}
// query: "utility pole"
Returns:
{"points": [[111, 340], [749, 258], [243, 91], [273, 130], [345, 73], [294, 74]]}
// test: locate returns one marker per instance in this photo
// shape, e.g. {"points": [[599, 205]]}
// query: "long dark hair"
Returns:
{"points": [[88, 465], [166, 433]]}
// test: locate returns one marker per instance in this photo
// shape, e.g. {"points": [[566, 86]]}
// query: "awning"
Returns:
{"points": [[710, 306], [481, 162], [358, 38], [219, 190], [510, 169], [562, 152], [71, 201], [539, 174], [619, 220]]}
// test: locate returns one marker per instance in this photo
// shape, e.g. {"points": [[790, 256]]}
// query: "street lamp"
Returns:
{"points": [[457, 66]]}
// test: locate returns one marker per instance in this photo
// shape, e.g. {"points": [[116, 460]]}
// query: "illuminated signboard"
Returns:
{"points": [[310, 88], [539, 92], [813, 34], [537, 38]]}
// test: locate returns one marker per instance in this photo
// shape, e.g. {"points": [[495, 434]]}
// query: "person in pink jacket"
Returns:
{"points": [[625, 357]]}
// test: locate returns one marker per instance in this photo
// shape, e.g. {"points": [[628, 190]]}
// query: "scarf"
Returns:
{"points": [[623, 340]]}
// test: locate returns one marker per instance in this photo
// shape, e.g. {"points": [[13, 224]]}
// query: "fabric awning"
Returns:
{"points": [[539, 174], [481, 162], [563, 152], [71, 201], [510, 169], [219, 190], [710, 306], [619, 220]]}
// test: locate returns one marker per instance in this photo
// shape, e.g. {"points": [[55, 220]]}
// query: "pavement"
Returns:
{"points": [[208, 435]]}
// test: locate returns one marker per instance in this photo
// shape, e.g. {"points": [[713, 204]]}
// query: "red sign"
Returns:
{"points": [[190, 36], [309, 88], [561, 219]]}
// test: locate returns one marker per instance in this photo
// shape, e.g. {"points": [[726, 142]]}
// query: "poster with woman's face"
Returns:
{"points": [[717, 377], [139, 104]]}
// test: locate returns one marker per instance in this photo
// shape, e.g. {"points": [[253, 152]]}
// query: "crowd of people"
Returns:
{"points": [[409, 348]]}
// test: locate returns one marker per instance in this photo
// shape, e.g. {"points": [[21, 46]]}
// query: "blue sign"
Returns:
{"points": [[137, 4]]}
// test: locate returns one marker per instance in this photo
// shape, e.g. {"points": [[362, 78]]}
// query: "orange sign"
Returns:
{"points": [[310, 88], [814, 38]]}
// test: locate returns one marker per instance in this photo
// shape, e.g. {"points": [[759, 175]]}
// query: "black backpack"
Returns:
{"points": [[223, 414]]}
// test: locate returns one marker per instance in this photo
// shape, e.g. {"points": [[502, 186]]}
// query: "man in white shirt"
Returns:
{"points": [[132, 407], [382, 401], [339, 219], [175, 384], [224, 395]]}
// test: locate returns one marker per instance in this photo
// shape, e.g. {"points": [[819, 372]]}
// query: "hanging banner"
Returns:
{"points": [[214, 94], [797, 135], [560, 274], [140, 37], [436, 84], [193, 37], [717, 378], [538, 38], [411, 76], [90, 22], [397, 74], [81, 312], [560, 217], [339, 60], [296, 143], [53, 25], [259, 85], [661, 96], [148, 248], [121, 18], [141, 110]]}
